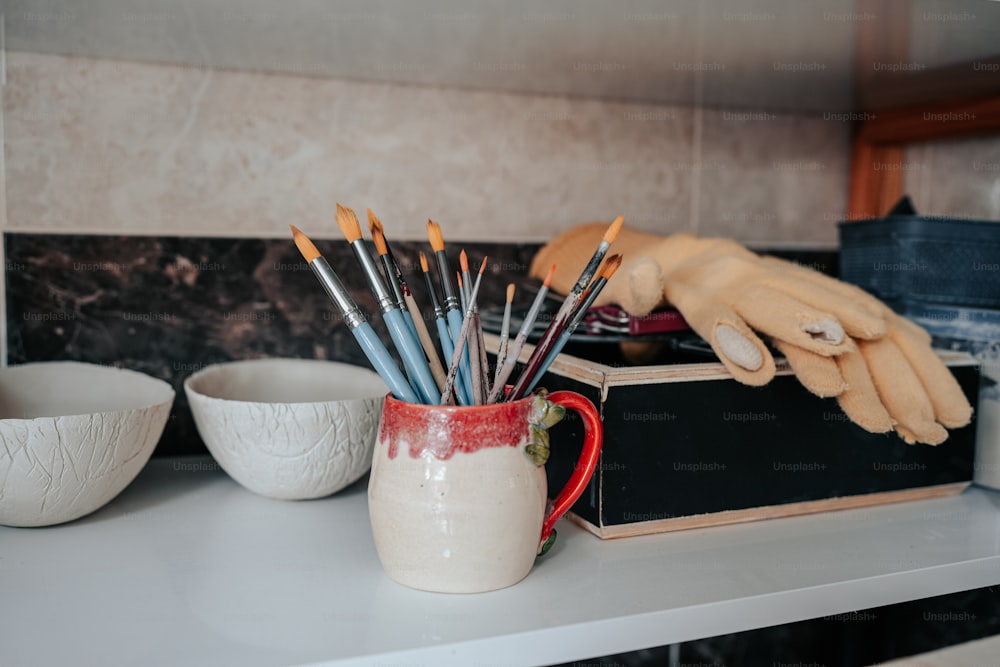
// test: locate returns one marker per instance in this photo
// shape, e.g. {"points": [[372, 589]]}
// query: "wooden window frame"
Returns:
{"points": [[880, 139]]}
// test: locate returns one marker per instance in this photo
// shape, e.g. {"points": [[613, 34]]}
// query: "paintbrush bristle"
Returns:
{"points": [[379, 239], [610, 266], [482, 267], [348, 223], [548, 278], [378, 236], [459, 276], [305, 246], [423, 263], [373, 221], [434, 236], [510, 292], [612, 233], [463, 261]]}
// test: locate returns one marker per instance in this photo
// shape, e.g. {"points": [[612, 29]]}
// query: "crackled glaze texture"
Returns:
{"points": [[73, 437], [291, 429]]}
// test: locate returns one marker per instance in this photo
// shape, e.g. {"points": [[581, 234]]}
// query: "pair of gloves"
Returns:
{"points": [[839, 340]]}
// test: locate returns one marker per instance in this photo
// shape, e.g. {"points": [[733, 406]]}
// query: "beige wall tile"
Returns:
{"points": [[122, 147], [770, 178], [955, 178], [106, 146]]}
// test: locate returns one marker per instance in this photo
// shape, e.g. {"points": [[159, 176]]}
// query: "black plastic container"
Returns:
{"points": [[905, 256]]}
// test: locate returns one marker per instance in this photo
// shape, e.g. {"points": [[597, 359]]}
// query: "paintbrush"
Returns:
{"points": [[437, 370], [393, 276], [407, 304], [463, 333], [463, 263], [569, 305], [406, 345], [514, 351], [377, 355], [451, 304], [478, 360], [475, 366], [504, 332], [465, 372], [484, 359], [463, 294], [595, 261], [426, 342], [382, 248], [447, 345], [589, 296]]}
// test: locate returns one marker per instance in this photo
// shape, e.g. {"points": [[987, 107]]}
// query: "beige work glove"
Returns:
{"points": [[839, 340]]}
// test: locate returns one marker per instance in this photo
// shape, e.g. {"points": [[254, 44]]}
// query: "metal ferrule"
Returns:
{"points": [[337, 292], [434, 300], [450, 300], [397, 289], [382, 295], [588, 301], [592, 267]]}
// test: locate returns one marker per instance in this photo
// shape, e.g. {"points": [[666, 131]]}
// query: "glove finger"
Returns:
{"points": [[902, 392], [778, 315], [951, 408], [741, 351], [860, 400], [846, 291], [858, 322], [818, 374], [916, 332]]}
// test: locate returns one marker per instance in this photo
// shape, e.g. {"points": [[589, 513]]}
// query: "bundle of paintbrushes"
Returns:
{"points": [[464, 376]]}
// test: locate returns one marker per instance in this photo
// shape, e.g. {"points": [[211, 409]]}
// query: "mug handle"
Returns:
{"points": [[593, 437]]}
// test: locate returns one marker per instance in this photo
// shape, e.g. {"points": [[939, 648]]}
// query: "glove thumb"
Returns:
{"points": [[638, 288]]}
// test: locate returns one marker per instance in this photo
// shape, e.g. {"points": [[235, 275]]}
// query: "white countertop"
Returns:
{"points": [[186, 567]]}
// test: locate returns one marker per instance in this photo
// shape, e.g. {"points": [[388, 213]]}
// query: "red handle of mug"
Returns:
{"points": [[593, 437]]}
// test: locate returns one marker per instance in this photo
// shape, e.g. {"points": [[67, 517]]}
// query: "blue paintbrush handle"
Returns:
{"points": [[464, 368], [410, 325], [447, 346], [413, 357], [383, 363]]}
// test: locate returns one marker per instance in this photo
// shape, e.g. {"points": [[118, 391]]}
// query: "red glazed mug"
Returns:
{"points": [[458, 498]]}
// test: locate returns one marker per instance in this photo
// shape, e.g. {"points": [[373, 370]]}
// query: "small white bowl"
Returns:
{"points": [[291, 429], [74, 436]]}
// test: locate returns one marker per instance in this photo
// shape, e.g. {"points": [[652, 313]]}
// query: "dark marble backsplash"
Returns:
{"points": [[169, 306]]}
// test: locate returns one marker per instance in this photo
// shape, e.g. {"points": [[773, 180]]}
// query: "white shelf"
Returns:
{"points": [[186, 567]]}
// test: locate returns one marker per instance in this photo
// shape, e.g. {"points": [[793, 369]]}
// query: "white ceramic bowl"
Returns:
{"points": [[73, 436], [292, 429]]}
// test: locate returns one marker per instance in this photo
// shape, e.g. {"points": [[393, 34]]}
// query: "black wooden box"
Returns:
{"points": [[685, 446]]}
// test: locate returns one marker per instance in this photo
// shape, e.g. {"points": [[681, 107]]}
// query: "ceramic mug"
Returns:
{"points": [[458, 498]]}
